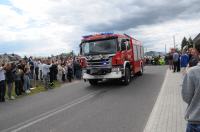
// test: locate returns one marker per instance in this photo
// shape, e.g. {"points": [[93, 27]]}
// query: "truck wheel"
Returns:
{"points": [[127, 78], [93, 82], [140, 73]]}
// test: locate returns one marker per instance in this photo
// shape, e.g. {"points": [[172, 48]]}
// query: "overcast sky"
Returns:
{"points": [[45, 27]]}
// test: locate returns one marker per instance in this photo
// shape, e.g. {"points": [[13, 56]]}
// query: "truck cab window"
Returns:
{"points": [[128, 45], [123, 45]]}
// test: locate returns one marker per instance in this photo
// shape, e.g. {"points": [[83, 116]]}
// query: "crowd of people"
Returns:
{"points": [[155, 60], [181, 61], [21, 75]]}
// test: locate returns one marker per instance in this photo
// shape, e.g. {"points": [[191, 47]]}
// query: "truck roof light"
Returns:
{"points": [[107, 33], [104, 33]]}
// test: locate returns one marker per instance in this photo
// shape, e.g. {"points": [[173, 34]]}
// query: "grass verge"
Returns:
{"points": [[39, 87]]}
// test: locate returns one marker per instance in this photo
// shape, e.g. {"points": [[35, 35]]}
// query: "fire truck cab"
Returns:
{"points": [[111, 56]]}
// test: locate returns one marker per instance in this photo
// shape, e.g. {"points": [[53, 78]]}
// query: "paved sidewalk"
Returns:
{"points": [[168, 112]]}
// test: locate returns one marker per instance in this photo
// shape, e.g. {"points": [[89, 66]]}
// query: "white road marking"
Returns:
{"points": [[51, 113]]}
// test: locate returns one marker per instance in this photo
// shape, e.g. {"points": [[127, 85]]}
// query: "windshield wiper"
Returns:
{"points": [[104, 52], [92, 53]]}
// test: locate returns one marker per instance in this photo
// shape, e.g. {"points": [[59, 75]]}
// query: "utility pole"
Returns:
{"points": [[165, 49], [174, 42]]}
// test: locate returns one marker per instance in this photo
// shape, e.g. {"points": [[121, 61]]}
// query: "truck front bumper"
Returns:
{"points": [[112, 75]]}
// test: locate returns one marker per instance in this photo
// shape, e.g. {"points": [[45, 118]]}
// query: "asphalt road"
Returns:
{"points": [[79, 107]]}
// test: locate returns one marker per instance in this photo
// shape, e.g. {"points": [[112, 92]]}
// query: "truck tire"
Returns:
{"points": [[127, 78], [140, 73], [93, 82]]}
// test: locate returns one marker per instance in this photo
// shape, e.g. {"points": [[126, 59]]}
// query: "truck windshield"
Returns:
{"points": [[99, 47]]}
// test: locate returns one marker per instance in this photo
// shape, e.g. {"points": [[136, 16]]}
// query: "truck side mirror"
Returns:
{"points": [[123, 45]]}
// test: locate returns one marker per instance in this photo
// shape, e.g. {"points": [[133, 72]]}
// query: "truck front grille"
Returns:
{"points": [[96, 71], [106, 63]]}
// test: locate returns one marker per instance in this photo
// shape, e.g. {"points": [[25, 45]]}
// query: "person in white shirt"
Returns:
{"points": [[45, 74], [60, 70], [66, 70], [63, 73], [40, 65], [2, 83]]}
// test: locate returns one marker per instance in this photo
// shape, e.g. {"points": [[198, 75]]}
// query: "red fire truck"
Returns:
{"points": [[111, 56]]}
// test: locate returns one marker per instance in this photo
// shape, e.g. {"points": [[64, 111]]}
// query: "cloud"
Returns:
{"points": [[44, 27], [156, 36], [147, 13]]}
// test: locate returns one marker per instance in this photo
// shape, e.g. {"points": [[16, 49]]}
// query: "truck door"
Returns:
{"points": [[126, 50], [129, 53]]}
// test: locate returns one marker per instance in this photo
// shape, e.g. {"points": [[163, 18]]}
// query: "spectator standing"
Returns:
{"points": [[191, 95], [22, 65], [194, 59], [77, 69], [66, 70], [27, 79], [179, 62], [9, 80], [175, 61], [63, 73], [55, 71], [31, 64], [2, 83], [190, 53], [51, 74], [69, 72], [184, 59], [40, 65], [18, 73], [46, 76], [170, 61], [59, 76], [36, 64]]}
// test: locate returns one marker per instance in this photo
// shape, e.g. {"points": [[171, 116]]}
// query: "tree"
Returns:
{"points": [[184, 43], [190, 43], [25, 58]]}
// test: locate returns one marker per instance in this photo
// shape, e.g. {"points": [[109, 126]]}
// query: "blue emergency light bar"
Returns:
{"points": [[107, 33]]}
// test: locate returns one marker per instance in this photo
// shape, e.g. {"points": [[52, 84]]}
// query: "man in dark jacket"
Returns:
{"points": [[194, 59], [9, 79], [18, 73], [53, 73], [69, 73]]}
